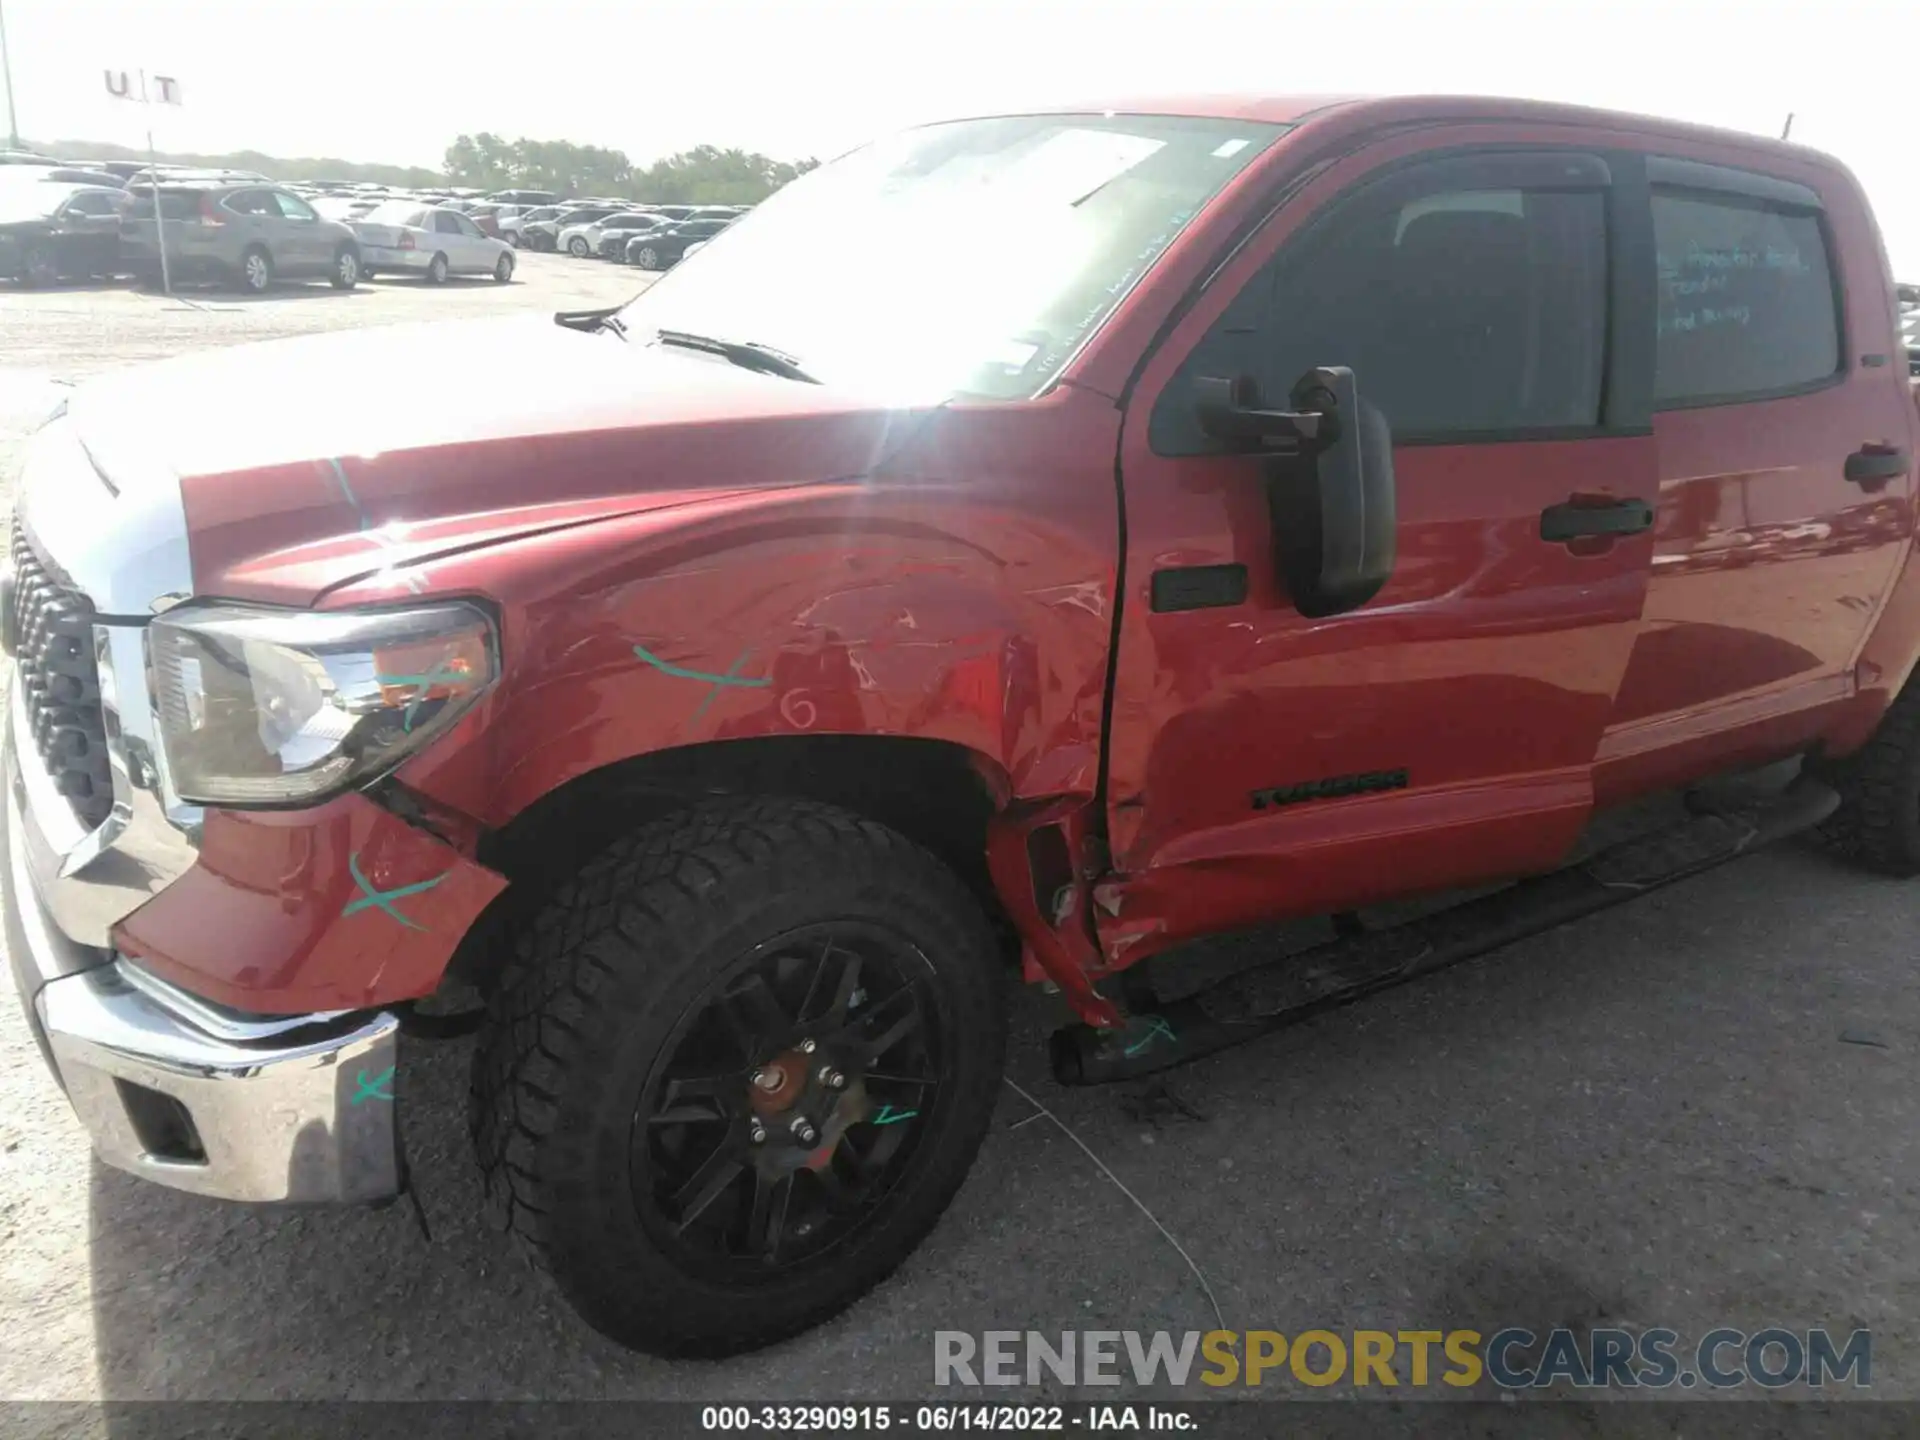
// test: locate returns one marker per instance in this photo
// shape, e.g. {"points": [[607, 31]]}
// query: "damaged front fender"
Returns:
{"points": [[342, 907]]}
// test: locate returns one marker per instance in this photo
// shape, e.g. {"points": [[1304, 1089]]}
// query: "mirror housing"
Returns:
{"points": [[1329, 473]]}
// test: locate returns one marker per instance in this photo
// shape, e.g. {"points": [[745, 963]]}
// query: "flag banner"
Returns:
{"points": [[147, 89]]}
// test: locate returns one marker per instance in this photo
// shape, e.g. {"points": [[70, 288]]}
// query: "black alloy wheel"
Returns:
{"points": [[782, 1112]]}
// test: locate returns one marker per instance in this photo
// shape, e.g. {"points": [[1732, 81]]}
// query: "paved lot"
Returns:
{"points": [[1697, 1110]]}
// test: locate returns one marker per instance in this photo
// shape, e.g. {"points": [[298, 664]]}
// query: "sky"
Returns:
{"points": [[396, 80]]}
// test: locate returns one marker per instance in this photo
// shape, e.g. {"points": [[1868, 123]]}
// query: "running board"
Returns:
{"points": [[1281, 992]]}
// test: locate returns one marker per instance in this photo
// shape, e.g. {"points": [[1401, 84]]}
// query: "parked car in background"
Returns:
{"points": [[544, 234], [523, 197], [487, 216], [26, 157], [616, 230], [511, 215], [188, 175], [65, 175], [248, 234], [430, 241], [579, 236], [663, 249], [344, 208], [50, 230], [514, 229]]}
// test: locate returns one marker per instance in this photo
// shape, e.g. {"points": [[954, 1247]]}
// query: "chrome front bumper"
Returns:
{"points": [[177, 1090], [297, 1110], [170, 1087]]}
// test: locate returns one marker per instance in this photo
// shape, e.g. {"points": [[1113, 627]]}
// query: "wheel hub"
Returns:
{"points": [[776, 1086]]}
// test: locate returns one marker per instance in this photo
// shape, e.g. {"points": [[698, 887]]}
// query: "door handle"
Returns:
{"points": [[1585, 516], [1872, 466]]}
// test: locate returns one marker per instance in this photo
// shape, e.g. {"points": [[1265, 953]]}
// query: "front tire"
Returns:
{"points": [[503, 270], [647, 258], [346, 269], [736, 1070], [578, 248]]}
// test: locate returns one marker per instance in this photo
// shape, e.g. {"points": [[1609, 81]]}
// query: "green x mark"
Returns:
{"points": [[680, 672], [890, 1116], [1157, 1029], [376, 1088], [384, 898]]}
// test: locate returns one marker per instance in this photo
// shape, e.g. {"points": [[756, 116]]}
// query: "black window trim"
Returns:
{"points": [[1669, 172], [1719, 183], [1627, 357]]}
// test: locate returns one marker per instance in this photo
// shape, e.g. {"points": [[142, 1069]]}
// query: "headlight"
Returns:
{"points": [[277, 707]]}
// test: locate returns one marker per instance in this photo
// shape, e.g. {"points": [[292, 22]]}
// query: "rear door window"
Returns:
{"points": [[293, 207], [252, 202], [445, 222], [1747, 306]]}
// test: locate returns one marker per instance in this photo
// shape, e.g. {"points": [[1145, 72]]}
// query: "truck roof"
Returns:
{"points": [[1390, 109]]}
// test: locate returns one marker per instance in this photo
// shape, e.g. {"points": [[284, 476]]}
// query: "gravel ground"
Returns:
{"points": [[1697, 1110]]}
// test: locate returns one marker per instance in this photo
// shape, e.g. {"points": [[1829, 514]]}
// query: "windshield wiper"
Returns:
{"points": [[747, 354], [607, 319]]}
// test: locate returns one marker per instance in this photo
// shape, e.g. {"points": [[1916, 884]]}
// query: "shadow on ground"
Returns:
{"points": [[1646, 1119]]}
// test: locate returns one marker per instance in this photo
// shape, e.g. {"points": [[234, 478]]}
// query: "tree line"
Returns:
{"points": [[705, 174]]}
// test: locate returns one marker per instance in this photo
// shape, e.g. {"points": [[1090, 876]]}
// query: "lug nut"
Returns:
{"points": [[768, 1079], [803, 1130], [832, 1078], [758, 1133], [806, 1047]]}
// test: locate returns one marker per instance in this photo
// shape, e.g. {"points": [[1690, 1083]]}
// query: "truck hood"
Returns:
{"points": [[303, 464]]}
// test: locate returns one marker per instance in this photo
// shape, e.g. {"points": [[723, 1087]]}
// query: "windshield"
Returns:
{"points": [[967, 258]]}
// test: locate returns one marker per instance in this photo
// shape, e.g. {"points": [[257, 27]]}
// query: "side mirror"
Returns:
{"points": [[1329, 464]]}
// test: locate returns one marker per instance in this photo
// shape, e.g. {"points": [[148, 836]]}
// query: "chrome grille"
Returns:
{"points": [[59, 680]]}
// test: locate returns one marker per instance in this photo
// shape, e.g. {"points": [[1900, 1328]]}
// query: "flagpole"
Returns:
{"points": [[153, 179], [6, 73]]}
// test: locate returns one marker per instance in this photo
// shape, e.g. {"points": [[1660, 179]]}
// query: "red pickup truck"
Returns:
{"points": [[1307, 504]]}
